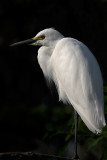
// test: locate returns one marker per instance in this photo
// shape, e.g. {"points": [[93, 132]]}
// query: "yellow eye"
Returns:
{"points": [[39, 37]]}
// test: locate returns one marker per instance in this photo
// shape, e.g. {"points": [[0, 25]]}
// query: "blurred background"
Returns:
{"points": [[31, 118]]}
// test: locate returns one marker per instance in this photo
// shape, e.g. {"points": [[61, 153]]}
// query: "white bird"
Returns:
{"points": [[75, 72]]}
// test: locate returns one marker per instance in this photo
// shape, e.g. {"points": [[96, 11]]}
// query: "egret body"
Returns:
{"points": [[76, 74]]}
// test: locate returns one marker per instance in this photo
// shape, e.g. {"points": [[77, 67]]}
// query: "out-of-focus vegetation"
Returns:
{"points": [[49, 129]]}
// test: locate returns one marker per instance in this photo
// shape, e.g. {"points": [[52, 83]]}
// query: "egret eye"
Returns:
{"points": [[42, 37]]}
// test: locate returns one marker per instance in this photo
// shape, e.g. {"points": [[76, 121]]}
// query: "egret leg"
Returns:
{"points": [[76, 157]]}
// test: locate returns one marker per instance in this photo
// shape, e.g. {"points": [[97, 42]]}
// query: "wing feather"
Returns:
{"points": [[78, 78]]}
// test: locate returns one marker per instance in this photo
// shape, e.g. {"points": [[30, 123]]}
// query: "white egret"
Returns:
{"points": [[76, 74]]}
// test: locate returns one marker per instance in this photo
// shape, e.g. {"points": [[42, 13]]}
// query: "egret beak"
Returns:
{"points": [[25, 42]]}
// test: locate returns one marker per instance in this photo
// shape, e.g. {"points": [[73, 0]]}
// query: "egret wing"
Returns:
{"points": [[78, 79]]}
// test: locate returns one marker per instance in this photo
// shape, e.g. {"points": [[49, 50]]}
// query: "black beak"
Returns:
{"points": [[25, 42]]}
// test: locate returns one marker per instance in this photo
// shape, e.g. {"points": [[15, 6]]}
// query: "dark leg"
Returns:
{"points": [[75, 142]]}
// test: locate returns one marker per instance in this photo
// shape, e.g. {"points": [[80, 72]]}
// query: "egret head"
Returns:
{"points": [[46, 37]]}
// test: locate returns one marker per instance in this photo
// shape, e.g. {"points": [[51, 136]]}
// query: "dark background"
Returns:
{"points": [[27, 108]]}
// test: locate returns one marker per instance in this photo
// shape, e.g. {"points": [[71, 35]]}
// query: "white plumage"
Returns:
{"points": [[76, 73]]}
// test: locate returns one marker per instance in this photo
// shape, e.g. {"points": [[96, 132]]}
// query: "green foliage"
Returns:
{"points": [[51, 122], [62, 122]]}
